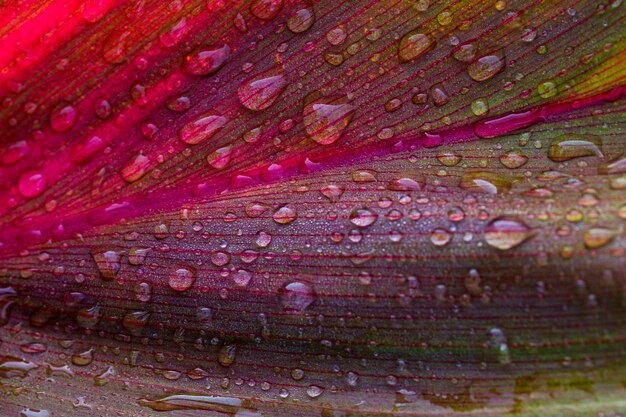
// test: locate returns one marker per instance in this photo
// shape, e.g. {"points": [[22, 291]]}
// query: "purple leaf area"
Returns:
{"points": [[312, 208]]}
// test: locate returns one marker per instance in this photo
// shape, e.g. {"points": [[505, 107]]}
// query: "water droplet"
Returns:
{"points": [[506, 232], [206, 61], [296, 296], [301, 20], [336, 36], [222, 405], [596, 237], [135, 168], [285, 214], [485, 182], [513, 159], [465, 52], [261, 91], [480, 107], [332, 191], [31, 184], [325, 118], [547, 89], [486, 67], [63, 117], [14, 152], [440, 237], [226, 355], [448, 158], [14, 367], [572, 145], [363, 217], [182, 279], [266, 9], [108, 263], [83, 358], [173, 34], [413, 45], [137, 256], [241, 277], [314, 391], [219, 158], [135, 321], [404, 184], [202, 128]]}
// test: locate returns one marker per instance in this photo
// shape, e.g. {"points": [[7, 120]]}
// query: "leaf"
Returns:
{"points": [[312, 208]]}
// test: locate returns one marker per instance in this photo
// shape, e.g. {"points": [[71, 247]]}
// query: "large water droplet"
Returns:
{"points": [[261, 91], [363, 217], [285, 214], [201, 128], [206, 61], [301, 20], [135, 168], [486, 67], [220, 157], [596, 237], [31, 184], [266, 9], [108, 263], [325, 118], [413, 45], [296, 296], [572, 145], [63, 117], [182, 279], [506, 232]]}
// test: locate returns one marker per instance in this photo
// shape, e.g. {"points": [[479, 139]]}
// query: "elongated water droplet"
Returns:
{"points": [[486, 67], [363, 217], [596, 237], [296, 296], [205, 60], [413, 45], [227, 405], [262, 90], [219, 158], [108, 263], [202, 128], [572, 145], [325, 118], [506, 232]]}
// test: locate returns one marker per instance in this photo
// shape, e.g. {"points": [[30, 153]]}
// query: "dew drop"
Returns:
{"points": [[506, 232], [206, 61], [63, 117], [220, 157], [266, 9], [285, 214], [413, 45], [301, 20], [108, 263], [181, 279], [325, 118], [31, 184], [363, 217], [486, 67], [261, 91], [296, 296], [202, 128]]}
